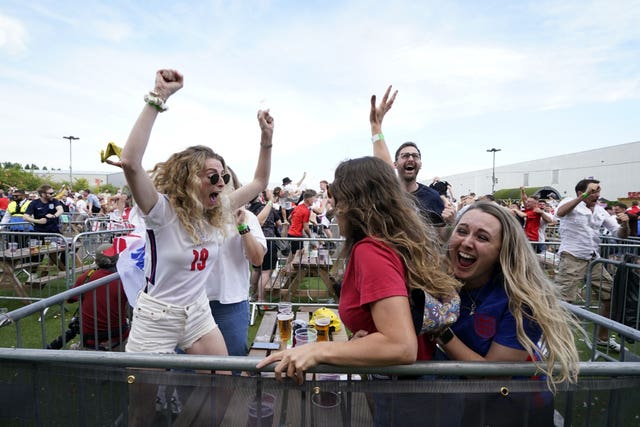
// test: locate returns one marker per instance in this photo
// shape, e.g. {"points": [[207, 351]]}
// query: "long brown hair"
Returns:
{"points": [[371, 203]]}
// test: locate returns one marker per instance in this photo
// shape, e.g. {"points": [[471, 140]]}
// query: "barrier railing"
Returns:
{"points": [[41, 387], [45, 387], [37, 265]]}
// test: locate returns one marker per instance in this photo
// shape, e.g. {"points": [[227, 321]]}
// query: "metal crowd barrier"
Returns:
{"points": [[40, 387], [52, 387], [37, 265]]}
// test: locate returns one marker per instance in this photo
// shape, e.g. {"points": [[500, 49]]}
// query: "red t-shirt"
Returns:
{"points": [[4, 203], [374, 272], [532, 225], [299, 217], [105, 320]]}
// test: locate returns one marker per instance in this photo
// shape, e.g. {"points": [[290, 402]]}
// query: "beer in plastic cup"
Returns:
{"points": [[322, 326], [284, 326]]}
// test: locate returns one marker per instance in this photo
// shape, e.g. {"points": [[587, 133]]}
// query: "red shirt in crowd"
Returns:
{"points": [[374, 272]]}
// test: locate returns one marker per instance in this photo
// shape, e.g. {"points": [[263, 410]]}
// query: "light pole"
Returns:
{"points": [[493, 170], [71, 139]]}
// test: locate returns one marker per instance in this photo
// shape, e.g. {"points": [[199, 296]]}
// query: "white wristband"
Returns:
{"points": [[377, 137]]}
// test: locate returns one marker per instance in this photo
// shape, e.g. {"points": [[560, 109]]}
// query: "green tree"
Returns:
{"points": [[80, 184], [112, 188], [16, 177]]}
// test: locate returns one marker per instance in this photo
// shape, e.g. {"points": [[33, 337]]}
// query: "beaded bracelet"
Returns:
{"points": [[155, 101]]}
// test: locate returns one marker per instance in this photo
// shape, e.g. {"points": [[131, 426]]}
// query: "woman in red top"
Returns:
{"points": [[390, 251]]}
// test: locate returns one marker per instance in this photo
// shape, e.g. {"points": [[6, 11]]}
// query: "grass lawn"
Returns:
{"points": [[32, 328]]}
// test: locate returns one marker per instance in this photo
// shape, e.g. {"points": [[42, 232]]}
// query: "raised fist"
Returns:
{"points": [[167, 83]]}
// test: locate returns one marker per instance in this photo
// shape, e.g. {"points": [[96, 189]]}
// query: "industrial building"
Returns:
{"points": [[617, 167]]}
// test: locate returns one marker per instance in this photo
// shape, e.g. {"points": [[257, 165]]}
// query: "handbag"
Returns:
{"points": [[431, 314]]}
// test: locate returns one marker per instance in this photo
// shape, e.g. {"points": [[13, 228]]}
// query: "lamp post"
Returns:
{"points": [[493, 170], [71, 139]]}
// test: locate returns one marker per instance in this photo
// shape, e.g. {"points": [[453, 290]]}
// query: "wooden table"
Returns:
{"points": [[11, 263], [302, 265], [49, 259], [28, 260]]}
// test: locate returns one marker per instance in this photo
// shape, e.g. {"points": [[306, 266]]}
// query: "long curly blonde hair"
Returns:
{"points": [[371, 203], [179, 179], [533, 296]]}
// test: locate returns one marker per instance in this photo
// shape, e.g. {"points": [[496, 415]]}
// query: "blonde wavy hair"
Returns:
{"points": [[371, 203], [532, 295], [179, 179]]}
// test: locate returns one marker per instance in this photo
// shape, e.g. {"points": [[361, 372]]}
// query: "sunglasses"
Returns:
{"points": [[51, 194], [216, 177]]}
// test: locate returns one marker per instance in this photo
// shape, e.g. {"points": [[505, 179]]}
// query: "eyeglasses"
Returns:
{"points": [[216, 177], [406, 156], [51, 194]]}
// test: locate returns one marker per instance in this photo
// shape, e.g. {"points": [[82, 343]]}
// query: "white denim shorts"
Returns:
{"points": [[159, 327]]}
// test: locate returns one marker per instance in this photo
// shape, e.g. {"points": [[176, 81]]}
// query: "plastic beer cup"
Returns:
{"points": [[322, 326], [284, 326]]}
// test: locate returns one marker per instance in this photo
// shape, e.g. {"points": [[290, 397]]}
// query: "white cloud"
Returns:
{"points": [[13, 35]]}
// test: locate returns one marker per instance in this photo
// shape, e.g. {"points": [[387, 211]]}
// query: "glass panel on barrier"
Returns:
{"points": [[53, 393]]}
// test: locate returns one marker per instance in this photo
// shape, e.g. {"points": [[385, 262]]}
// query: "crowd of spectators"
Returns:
{"points": [[76, 205]]}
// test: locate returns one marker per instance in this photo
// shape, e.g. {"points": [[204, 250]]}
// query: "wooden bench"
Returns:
{"points": [[48, 277]]}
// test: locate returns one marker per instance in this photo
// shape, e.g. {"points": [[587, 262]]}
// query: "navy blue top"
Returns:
{"points": [[38, 210], [428, 199], [491, 320]]}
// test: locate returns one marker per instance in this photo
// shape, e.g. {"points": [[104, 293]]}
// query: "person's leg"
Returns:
{"points": [[295, 246], [570, 277], [233, 322], [601, 280], [210, 343], [254, 280], [154, 329]]}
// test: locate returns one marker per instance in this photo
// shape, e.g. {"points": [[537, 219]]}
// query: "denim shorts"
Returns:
{"points": [[159, 327]]}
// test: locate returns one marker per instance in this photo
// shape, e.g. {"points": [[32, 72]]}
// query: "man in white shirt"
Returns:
{"points": [[291, 193], [580, 221]]}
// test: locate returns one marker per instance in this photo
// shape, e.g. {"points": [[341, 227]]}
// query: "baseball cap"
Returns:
{"points": [[118, 245]]}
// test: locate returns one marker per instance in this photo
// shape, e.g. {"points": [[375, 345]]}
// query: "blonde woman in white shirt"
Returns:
{"points": [[182, 207]]}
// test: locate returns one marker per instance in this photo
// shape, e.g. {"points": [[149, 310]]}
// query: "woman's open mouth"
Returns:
{"points": [[465, 259]]}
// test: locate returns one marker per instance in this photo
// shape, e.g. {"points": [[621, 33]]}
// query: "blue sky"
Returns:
{"points": [[535, 79]]}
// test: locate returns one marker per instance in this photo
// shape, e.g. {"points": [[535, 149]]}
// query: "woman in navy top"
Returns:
{"points": [[509, 307]]}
